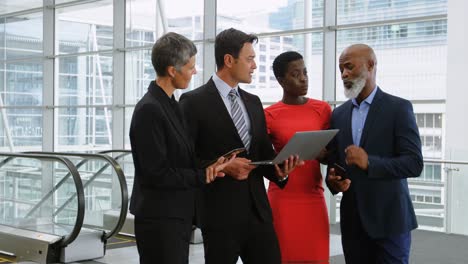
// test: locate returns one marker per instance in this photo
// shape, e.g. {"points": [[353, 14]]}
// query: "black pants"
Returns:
{"points": [[254, 241], [162, 240]]}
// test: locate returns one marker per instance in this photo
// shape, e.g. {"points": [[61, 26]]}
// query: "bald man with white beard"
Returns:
{"points": [[379, 147]]}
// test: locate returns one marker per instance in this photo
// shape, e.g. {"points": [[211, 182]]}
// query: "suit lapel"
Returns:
{"points": [[371, 116], [162, 97]]}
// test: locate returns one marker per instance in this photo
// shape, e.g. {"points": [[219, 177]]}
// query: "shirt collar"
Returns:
{"points": [[158, 89], [223, 87], [369, 98]]}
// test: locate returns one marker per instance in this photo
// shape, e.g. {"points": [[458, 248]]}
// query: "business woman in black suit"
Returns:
{"points": [[380, 147], [237, 220], [166, 178]]}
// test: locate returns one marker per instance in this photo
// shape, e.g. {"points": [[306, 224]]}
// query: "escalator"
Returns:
{"points": [[39, 181], [38, 198]]}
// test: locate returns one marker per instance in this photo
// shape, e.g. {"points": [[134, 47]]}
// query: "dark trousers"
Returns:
{"points": [[359, 248], [365, 250], [253, 241], [162, 240]]}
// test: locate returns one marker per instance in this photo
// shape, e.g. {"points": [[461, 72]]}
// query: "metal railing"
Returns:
{"points": [[442, 211]]}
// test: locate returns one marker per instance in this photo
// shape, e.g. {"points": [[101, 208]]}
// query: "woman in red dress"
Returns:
{"points": [[299, 210]]}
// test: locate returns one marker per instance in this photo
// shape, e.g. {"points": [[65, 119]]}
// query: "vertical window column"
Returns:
{"points": [[48, 127], [329, 84], [118, 98]]}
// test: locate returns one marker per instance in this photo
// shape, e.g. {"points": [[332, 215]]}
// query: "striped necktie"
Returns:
{"points": [[238, 119]]}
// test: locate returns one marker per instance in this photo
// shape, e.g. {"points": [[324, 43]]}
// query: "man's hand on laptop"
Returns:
{"points": [[239, 168], [288, 166]]}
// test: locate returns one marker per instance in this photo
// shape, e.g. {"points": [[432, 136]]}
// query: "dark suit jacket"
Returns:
{"points": [[226, 200], [165, 170], [391, 139]]}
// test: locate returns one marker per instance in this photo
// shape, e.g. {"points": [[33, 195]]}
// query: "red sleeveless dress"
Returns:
{"points": [[299, 210]]}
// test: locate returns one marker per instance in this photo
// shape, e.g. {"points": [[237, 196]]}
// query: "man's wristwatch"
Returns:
{"points": [[283, 178]]}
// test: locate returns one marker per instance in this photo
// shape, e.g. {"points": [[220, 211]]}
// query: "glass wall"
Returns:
{"points": [[92, 42], [21, 80], [410, 41]]}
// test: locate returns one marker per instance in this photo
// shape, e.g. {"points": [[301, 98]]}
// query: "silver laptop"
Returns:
{"points": [[306, 144]]}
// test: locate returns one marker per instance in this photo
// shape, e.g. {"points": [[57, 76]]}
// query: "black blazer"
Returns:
{"points": [[226, 200], [165, 170], [391, 139]]}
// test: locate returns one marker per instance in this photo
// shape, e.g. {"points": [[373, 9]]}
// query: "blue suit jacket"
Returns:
{"points": [[391, 139]]}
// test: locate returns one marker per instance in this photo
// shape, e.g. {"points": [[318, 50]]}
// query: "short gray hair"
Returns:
{"points": [[171, 49]]}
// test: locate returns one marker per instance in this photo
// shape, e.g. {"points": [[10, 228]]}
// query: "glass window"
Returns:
{"points": [[437, 143], [84, 128], [21, 83], [437, 173], [429, 171], [412, 67], [438, 120], [85, 80], [85, 27], [273, 91], [7, 7], [128, 119], [268, 15], [21, 36], [430, 120], [144, 20], [423, 173], [140, 72], [420, 120], [25, 128], [358, 11], [430, 142], [428, 199]]}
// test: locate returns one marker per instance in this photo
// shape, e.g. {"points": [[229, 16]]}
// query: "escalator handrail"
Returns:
{"points": [[115, 150], [66, 240], [62, 181], [121, 178]]}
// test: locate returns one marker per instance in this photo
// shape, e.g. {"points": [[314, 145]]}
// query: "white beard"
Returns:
{"points": [[356, 88]]}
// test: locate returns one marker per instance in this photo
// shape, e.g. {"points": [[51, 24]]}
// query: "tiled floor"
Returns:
{"points": [[129, 255], [427, 248]]}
